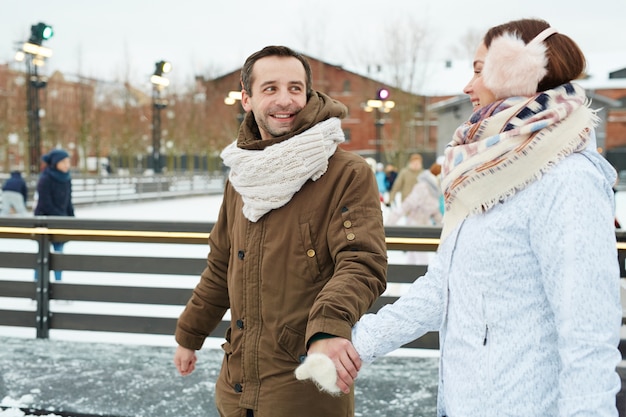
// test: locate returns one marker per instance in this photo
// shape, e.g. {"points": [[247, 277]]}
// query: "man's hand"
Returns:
{"points": [[185, 360], [343, 355]]}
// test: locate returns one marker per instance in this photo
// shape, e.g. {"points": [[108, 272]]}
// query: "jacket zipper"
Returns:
{"points": [[486, 332], [484, 307]]}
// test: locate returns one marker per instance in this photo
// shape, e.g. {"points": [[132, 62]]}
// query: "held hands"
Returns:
{"points": [[333, 364], [185, 360]]}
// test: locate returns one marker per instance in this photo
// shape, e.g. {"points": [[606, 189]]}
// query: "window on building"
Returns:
{"points": [[347, 87]]}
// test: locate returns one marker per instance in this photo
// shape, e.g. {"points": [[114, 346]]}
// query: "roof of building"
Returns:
{"points": [[599, 68]]}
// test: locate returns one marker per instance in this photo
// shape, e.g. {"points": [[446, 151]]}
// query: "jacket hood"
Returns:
{"points": [[319, 107], [601, 164]]}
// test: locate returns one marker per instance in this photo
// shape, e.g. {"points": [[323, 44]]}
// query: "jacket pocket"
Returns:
{"points": [[292, 342], [227, 362], [227, 347], [310, 253]]}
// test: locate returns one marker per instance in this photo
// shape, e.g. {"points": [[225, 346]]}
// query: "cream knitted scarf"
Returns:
{"points": [[508, 145], [268, 178]]}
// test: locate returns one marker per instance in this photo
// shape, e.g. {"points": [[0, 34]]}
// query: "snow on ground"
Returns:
{"points": [[124, 380]]}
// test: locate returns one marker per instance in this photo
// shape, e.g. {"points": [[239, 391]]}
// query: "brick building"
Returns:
{"points": [[406, 128], [96, 119], [607, 78]]}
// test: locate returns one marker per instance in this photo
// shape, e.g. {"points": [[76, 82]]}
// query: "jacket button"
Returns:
{"points": [[347, 224], [240, 254], [238, 387], [350, 236], [310, 253], [240, 324], [301, 358]]}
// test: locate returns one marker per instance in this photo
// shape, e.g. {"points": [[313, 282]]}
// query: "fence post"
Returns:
{"points": [[42, 275]]}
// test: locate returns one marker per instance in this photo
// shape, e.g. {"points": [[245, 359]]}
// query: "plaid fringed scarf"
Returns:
{"points": [[508, 145]]}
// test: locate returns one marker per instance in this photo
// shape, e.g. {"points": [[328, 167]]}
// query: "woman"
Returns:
{"points": [[524, 288], [54, 191], [420, 208]]}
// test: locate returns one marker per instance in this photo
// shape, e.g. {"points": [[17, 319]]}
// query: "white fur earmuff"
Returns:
{"points": [[513, 68]]}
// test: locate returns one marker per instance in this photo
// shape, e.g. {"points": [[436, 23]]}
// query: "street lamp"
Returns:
{"points": [[34, 55], [13, 139], [233, 98], [159, 83], [381, 105]]}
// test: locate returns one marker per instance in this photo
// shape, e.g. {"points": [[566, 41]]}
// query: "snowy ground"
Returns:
{"points": [[132, 380]]}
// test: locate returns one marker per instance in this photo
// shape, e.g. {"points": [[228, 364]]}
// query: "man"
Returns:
{"points": [[407, 178], [54, 193], [14, 195], [298, 250]]}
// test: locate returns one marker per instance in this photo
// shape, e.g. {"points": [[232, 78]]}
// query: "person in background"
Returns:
{"points": [[297, 253], [14, 195], [525, 287], [617, 223], [381, 182], [420, 208], [406, 179], [442, 202], [390, 176], [54, 192]]}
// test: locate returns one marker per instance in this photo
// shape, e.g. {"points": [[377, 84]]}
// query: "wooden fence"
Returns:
{"points": [[47, 229]]}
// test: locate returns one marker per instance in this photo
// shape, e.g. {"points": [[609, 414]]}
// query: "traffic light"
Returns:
{"points": [[382, 94], [162, 67], [39, 33]]}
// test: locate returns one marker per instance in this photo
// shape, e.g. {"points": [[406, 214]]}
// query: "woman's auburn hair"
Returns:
{"points": [[566, 61]]}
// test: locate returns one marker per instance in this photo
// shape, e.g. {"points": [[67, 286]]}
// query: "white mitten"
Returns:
{"points": [[320, 369]]}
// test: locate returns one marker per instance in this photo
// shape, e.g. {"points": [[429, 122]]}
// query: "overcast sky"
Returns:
{"points": [[122, 39]]}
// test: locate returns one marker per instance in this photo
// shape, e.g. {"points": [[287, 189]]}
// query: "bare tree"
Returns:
{"points": [[312, 35], [407, 50], [467, 44]]}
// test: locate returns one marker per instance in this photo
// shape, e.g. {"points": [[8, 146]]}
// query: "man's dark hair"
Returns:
{"points": [[283, 51]]}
